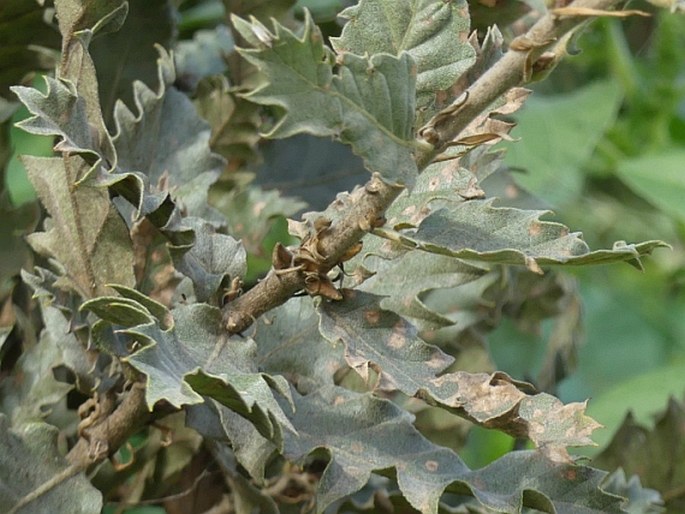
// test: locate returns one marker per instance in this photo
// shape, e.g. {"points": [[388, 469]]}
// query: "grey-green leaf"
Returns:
{"points": [[404, 282], [434, 33], [195, 353], [368, 104], [364, 434], [212, 262], [85, 234], [476, 230], [168, 143], [29, 457], [289, 343], [382, 341]]}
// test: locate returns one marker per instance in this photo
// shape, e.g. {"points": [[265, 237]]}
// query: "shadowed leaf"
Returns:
{"points": [[128, 54], [654, 454], [29, 457], [27, 42]]}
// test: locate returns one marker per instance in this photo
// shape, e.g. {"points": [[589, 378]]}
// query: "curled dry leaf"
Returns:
{"points": [[498, 401]]}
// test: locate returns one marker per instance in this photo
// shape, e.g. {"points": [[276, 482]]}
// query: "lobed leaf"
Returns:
{"points": [[217, 422], [363, 434], [62, 111], [368, 104], [497, 401], [433, 33], [85, 233], [194, 357], [475, 230], [641, 500], [379, 340], [289, 343], [164, 150], [405, 281], [146, 24], [212, 261]]}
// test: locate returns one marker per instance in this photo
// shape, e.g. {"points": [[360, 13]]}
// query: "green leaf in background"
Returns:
{"points": [[433, 33], [655, 454], [14, 252], [233, 120], [379, 340], [85, 233], [83, 15], [128, 54], [368, 104], [554, 147], [643, 395], [250, 213], [263, 10], [322, 10], [29, 457], [475, 230], [658, 178], [641, 500], [27, 42], [203, 56], [29, 394]]}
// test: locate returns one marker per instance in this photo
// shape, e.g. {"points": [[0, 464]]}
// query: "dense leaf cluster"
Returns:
{"points": [[128, 367]]}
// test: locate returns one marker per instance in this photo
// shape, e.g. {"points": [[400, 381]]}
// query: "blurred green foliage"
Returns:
{"points": [[620, 141]]}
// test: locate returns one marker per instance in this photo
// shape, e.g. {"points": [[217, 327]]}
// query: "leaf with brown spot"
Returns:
{"points": [[497, 401], [381, 340], [476, 230], [363, 434]]}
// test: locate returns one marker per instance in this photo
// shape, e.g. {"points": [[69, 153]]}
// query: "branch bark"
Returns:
{"points": [[375, 197]]}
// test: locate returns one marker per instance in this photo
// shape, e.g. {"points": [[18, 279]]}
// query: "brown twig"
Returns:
{"points": [[371, 201]]}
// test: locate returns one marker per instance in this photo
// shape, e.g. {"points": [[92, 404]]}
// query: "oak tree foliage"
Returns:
{"points": [[121, 376]]}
